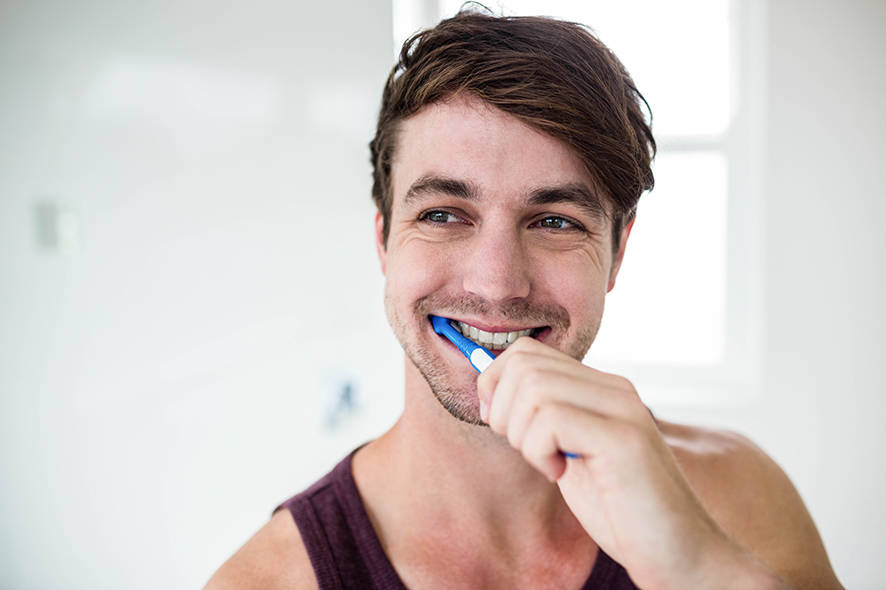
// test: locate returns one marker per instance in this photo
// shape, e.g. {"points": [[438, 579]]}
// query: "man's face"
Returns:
{"points": [[492, 224]]}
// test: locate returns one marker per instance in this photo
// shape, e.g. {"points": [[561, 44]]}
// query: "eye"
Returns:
{"points": [[558, 223], [440, 217]]}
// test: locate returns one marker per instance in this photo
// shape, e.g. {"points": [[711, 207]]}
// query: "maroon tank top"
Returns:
{"points": [[346, 553]]}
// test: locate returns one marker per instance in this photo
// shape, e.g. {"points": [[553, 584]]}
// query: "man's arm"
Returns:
{"points": [[275, 557], [627, 489], [754, 501]]}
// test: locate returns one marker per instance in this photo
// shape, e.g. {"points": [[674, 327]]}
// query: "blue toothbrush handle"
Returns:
{"points": [[479, 357]]}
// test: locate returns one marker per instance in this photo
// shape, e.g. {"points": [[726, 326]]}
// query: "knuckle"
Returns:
{"points": [[630, 403], [545, 416], [637, 412], [533, 382], [520, 356]]}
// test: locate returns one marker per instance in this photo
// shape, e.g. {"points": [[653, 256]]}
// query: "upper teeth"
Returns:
{"points": [[493, 340]]}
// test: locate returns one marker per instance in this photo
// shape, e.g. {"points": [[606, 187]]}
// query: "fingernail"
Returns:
{"points": [[484, 411]]}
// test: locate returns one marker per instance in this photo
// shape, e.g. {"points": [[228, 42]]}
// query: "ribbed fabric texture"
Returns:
{"points": [[346, 553]]}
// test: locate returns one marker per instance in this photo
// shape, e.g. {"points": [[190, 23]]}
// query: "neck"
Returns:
{"points": [[466, 480]]}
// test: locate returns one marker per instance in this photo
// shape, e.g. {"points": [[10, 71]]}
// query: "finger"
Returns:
{"points": [[522, 345], [571, 387], [532, 387], [488, 381], [540, 444], [513, 369], [513, 372], [555, 427], [536, 383]]}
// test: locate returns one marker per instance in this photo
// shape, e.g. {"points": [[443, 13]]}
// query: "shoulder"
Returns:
{"points": [[752, 498], [275, 557]]}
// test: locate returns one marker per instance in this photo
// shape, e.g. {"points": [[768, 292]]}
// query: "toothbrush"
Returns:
{"points": [[479, 357]]}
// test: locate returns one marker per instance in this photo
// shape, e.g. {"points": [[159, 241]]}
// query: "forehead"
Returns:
{"points": [[466, 139]]}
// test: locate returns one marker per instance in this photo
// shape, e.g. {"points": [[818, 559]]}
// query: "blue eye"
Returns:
{"points": [[557, 222], [440, 217]]}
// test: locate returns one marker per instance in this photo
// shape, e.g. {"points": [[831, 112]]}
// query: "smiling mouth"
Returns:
{"points": [[494, 340]]}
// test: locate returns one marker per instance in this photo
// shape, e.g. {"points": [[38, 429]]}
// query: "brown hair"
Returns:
{"points": [[553, 75]]}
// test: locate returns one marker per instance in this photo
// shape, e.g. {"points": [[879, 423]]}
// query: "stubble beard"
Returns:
{"points": [[461, 403]]}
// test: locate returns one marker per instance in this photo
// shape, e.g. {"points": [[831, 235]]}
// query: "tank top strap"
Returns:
{"points": [[338, 536]]}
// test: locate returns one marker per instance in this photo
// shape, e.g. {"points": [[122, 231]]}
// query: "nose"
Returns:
{"points": [[496, 267]]}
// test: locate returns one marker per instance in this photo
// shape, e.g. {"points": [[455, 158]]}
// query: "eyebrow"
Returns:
{"points": [[575, 193], [441, 185]]}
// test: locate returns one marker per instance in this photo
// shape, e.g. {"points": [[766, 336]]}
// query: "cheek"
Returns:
{"points": [[584, 300], [576, 285], [415, 270]]}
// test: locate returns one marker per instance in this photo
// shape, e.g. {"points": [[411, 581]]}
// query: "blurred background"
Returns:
{"points": [[191, 319]]}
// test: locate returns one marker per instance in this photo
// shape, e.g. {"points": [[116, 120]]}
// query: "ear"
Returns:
{"points": [[380, 240], [616, 263]]}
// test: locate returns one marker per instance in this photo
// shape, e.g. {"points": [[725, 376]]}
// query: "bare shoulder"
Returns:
{"points": [[275, 557], [753, 499]]}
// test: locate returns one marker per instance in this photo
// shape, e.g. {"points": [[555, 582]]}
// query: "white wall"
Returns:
{"points": [[165, 383], [826, 270], [163, 387], [821, 410]]}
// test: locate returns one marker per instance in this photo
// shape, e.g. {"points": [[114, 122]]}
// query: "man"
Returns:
{"points": [[508, 160]]}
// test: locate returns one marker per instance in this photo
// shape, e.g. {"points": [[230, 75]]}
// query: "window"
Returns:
{"points": [[681, 322]]}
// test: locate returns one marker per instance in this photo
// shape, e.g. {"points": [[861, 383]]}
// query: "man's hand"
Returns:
{"points": [[625, 488]]}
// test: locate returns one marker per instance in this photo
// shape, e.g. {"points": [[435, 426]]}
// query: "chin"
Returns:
{"points": [[455, 388], [450, 378]]}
